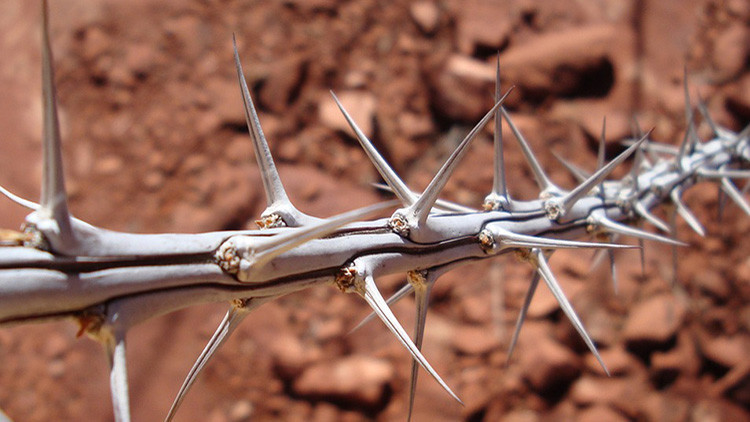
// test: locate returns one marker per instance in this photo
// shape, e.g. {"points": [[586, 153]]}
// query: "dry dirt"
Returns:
{"points": [[155, 141]]}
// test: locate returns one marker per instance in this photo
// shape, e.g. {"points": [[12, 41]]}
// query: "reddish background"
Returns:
{"points": [[155, 141]]}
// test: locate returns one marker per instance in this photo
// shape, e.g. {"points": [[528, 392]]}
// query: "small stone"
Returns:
{"points": [[655, 320], [426, 15], [241, 411], [555, 62], [359, 104], [711, 282], [473, 340], [727, 351], [731, 50], [544, 362], [665, 408], [600, 413], [291, 356], [482, 23], [359, 380]]}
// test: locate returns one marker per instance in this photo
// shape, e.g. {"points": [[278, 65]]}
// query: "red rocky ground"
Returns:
{"points": [[155, 141]]}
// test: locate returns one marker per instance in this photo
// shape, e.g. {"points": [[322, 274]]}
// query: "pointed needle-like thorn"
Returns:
{"points": [[234, 316], [421, 209], [397, 185], [275, 194], [614, 227], [422, 299], [522, 315], [570, 199], [685, 213], [643, 212], [567, 308], [377, 303], [274, 246], [54, 199], [517, 240], [544, 183], [18, 200], [499, 185], [580, 174], [400, 294], [118, 376], [728, 187]]}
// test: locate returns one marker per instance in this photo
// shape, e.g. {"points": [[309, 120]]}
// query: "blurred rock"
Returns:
{"points": [[655, 320], [359, 104], [665, 407], [555, 63], [545, 363], [290, 356], [475, 340], [426, 15], [730, 52], [359, 380], [600, 413], [484, 24], [727, 351]]}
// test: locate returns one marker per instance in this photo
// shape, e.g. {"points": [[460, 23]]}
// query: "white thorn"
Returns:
{"points": [[276, 197], [398, 187], [376, 302], [234, 316], [728, 187], [400, 294], [570, 199], [422, 289], [565, 305], [508, 239], [260, 251], [614, 227], [545, 184], [686, 214], [641, 210], [522, 315], [118, 376], [724, 173], [421, 209], [18, 200], [54, 202], [580, 174], [499, 184], [440, 204]]}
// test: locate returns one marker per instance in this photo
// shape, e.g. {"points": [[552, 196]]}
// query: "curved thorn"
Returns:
{"points": [[685, 213], [234, 316], [54, 200], [522, 315], [377, 303], [544, 270], [728, 187], [641, 210], [421, 209], [397, 186], [274, 188], [400, 294], [118, 376], [18, 200], [570, 199], [544, 183], [614, 227]]}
